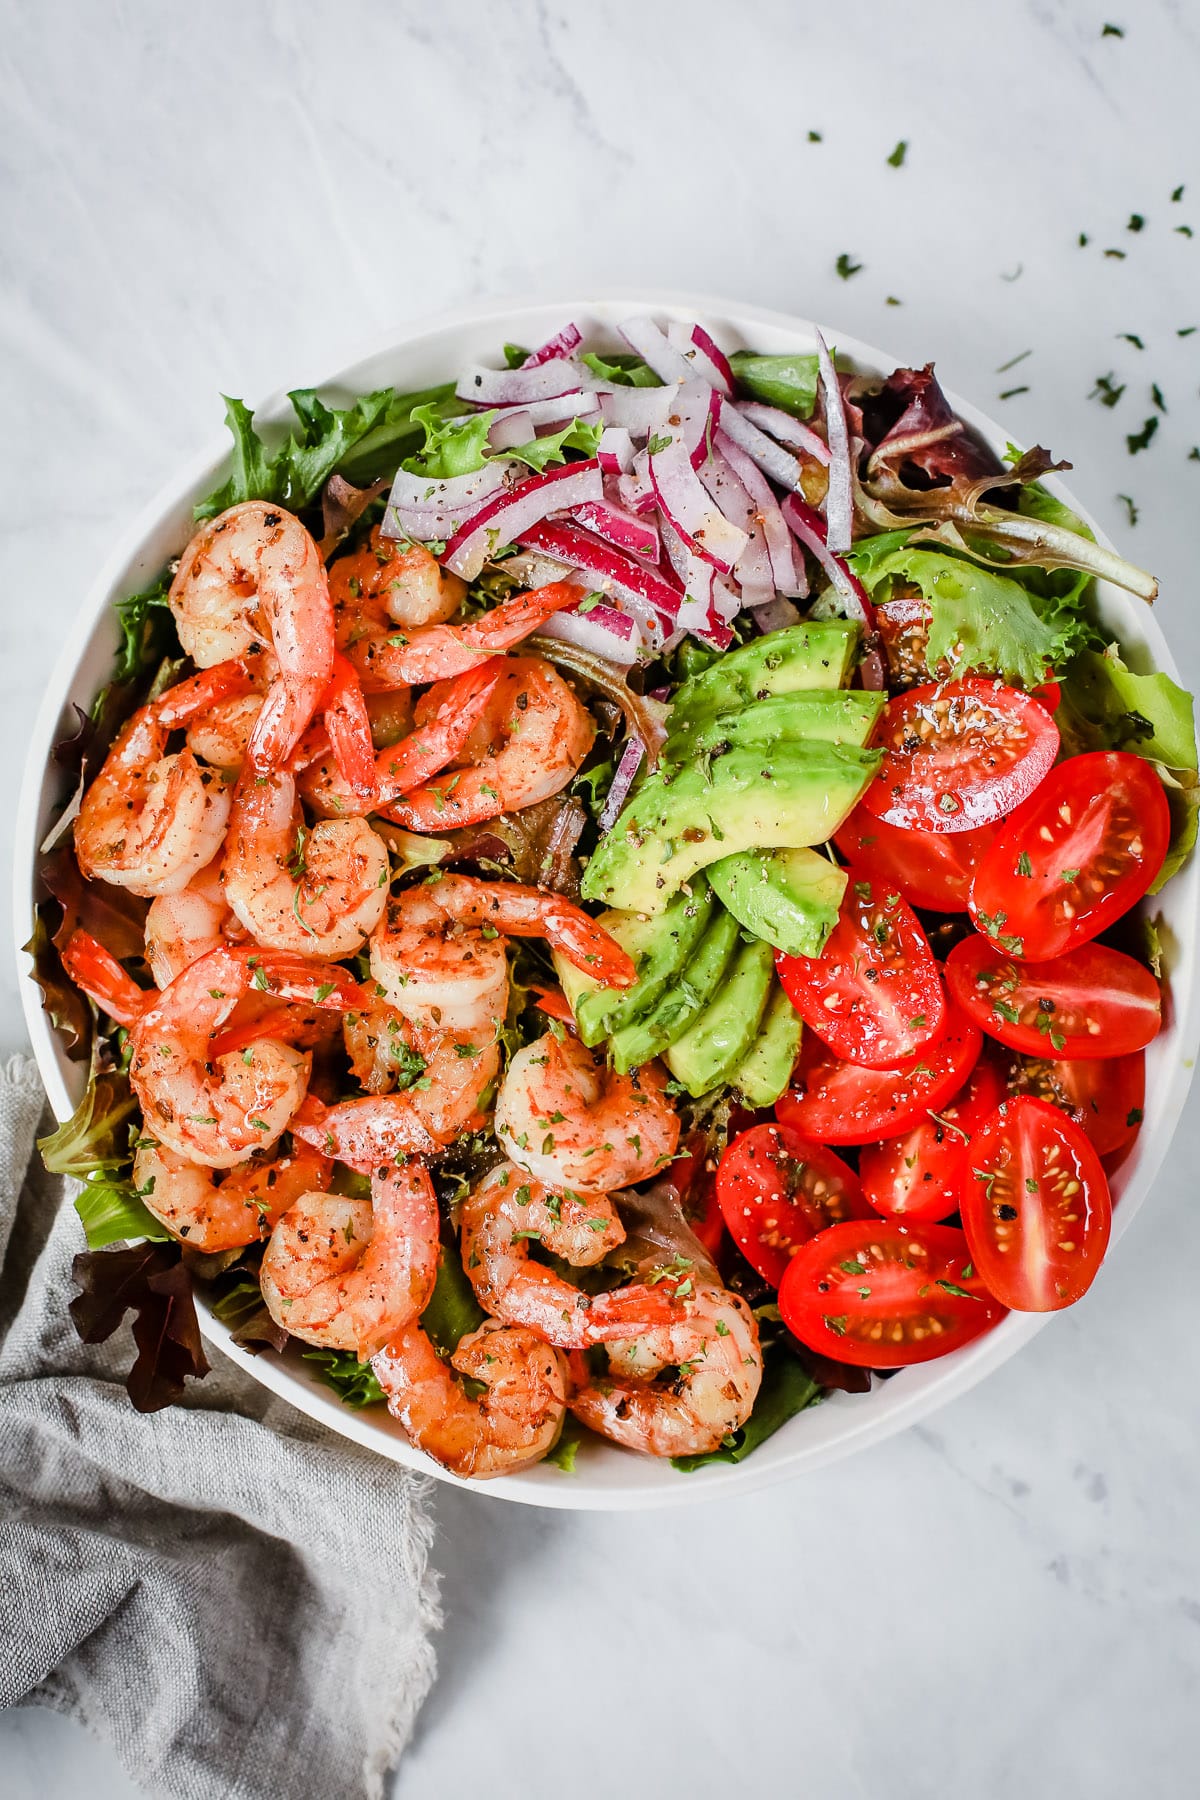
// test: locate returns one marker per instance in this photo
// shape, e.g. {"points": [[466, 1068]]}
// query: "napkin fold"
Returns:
{"points": [[240, 1601]]}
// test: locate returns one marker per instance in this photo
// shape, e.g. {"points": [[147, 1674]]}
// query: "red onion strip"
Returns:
{"points": [[615, 572], [503, 519], [772, 458], [516, 387], [615, 450], [602, 629], [753, 567], [644, 337], [638, 410], [786, 567], [810, 528], [682, 499], [708, 362], [624, 529], [791, 431], [631, 761], [564, 343], [839, 501]]}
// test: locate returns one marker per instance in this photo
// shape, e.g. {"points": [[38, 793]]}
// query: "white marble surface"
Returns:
{"points": [[1006, 1601]]}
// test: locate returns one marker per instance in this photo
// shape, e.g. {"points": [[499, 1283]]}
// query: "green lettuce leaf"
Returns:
{"points": [[354, 1383], [450, 448], [360, 441], [544, 452], [453, 1310], [789, 381], [623, 369], [111, 1211], [980, 620], [1148, 713], [787, 1389]]}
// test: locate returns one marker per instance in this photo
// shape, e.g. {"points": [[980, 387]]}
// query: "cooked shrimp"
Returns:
{"points": [[399, 582], [182, 927], [448, 1075], [499, 1218], [531, 741], [517, 1419], [240, 1208], [211, 1106], [717, 1366], [314, 893], [440, 736], [98, 974], [150, 821], [570, 1122], [403, 651], [220, 736], [251, 577], [349, 1274], [438, 956]]}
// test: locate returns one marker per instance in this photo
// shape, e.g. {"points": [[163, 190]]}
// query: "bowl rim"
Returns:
{"points": [[891, 1407]]}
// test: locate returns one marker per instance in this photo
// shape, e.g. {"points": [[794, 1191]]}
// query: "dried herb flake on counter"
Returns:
{"points": [[1130, 508], [1140, 440], [896, 159], [846, 267]]}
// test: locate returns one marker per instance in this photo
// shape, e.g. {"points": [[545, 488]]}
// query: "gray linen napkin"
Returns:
{"points": [[239, 1600]]}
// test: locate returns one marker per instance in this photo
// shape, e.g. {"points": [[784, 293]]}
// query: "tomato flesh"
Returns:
{"points": [[917, 1176], [933, 869], [1035, 1207], [884, 1294], [1079, 853], [1092, 1002], [874, 994], [1104, 1095], [959, 754], [777, 1189], [840, 1102]]}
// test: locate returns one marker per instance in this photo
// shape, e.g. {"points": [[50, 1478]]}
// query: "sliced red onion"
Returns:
{"points": [[697, 348], [504, 518], [615, 450], [517, 387], [602, 629], [787, 568], [624, 529], [810, 528], [533, 569], [789, 430], [631, 761], [753, 567], [644, 337], [422, 493], [839, 501], [564, 343], [576, 404], [635, 488], [637, 410], [697, 609], [514, 426], [682, 499], [775, 614], [612, 571], [696, 413], [772, 458]]}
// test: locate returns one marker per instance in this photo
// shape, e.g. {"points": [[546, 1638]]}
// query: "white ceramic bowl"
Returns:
{"points": [[418, 356]]}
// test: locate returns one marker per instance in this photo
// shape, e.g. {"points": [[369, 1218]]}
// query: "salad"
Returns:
{"points": [[604, 897]]}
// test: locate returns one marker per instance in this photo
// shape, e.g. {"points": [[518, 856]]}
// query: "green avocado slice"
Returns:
{"points": [[846, 717], [786, 798], [718, 1041], [681, 1000], [817, 654], [763, 1074], [660, 946], [789, 897]]}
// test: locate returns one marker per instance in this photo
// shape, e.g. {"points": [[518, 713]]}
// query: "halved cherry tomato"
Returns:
{"points": [[959, 754], [1079, 853], [874, 994], [1048, 695], [917, 1176], [1092, 1002], [1105, 1095], [883, 1295], [1035, 1207], [840, 1102], [777, 1189], [931, 868]]}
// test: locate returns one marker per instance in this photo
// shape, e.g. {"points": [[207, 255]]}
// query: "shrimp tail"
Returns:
{"points": [[459, 705], [181, 703], [631, 1311], [349, 728], [286, 714], [516, 617], [96, 970]]}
